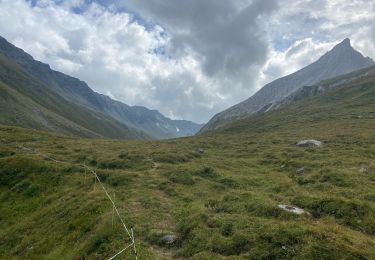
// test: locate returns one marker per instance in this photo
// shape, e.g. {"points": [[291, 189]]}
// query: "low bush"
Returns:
{"points": [[207, 173], [14, 169], [170, 158], [181, 177]]}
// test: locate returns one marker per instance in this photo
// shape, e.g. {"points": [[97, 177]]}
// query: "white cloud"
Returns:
{"points": [[300, 54], [189, 60]]}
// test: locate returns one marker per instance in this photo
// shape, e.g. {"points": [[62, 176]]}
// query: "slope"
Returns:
{"points": [[27, 102], [218, 193], [76, 91], [340, 60]]}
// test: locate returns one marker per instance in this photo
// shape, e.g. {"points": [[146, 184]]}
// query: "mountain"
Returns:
{"points": [[78, 92], [340, 60], [25, 101], [323, 87], [210, 196]]}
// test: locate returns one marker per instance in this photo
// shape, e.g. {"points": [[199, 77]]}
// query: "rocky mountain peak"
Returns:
{"points": [[345, 43], [345, 53], [342, 59]]}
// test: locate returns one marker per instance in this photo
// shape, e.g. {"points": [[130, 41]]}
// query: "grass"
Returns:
{"points": [[221, 204]]}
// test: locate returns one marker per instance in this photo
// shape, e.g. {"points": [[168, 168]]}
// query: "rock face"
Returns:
{"points": [[340, 60], [78, 92], [309, 143]]}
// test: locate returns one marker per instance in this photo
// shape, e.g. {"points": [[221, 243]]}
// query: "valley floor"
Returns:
{"points": [[218, 194]]}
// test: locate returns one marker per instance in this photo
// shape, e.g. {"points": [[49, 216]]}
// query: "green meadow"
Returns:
{"points": [[218, 193]]}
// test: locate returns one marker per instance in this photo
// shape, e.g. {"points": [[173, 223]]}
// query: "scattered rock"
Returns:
{"points": [[200, 151], [309, 143], [169, 239], [363, 170], [292, 209], [300, 170]]}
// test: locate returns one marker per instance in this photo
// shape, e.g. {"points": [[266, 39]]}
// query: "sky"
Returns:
{"points": [[187, 59]]}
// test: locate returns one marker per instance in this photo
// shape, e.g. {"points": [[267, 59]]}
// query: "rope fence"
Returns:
{"points": [[129, 232]]}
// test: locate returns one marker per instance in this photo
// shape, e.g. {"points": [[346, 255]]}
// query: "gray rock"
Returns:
{"points": [[200, 151], [291, 209], [309, 143], [300, 170], [169, 239]]}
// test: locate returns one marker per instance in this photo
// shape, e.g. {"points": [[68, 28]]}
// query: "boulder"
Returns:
{"points": [[300, 170], [200, 151], [291, 209], [169, 239], [309, 143]]}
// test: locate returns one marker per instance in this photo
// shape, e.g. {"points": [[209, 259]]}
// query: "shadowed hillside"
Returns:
{"points": [[27, 102], [74, 91]]}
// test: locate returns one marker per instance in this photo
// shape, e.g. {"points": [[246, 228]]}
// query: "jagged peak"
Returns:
{"points": [[345, 48], [344, 45], [345, 42]]}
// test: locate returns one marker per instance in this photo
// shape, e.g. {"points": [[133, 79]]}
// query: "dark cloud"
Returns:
{"points": [[226, 36], [187, 58]]}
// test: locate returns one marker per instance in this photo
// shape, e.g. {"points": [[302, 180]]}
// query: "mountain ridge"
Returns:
{"points": [[27, 102], [74, 90], [340, 60]]}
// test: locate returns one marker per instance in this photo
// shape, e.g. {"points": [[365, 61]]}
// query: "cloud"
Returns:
{"points": [[304, 30], [225, 35], [188, 59], [298, 55]]}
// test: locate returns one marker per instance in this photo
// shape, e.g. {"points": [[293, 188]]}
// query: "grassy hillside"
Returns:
{"points": [[218, 193], [26, 102], [77, 92]]}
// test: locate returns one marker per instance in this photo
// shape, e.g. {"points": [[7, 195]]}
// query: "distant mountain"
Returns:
{"points": [[340, 60], [27, 102], [78, 92]]}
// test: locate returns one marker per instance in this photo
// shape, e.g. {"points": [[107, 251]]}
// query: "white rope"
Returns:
{"points": [[96, 177], [113, 208], [134, 248], [121, 252], [109, 197]]}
